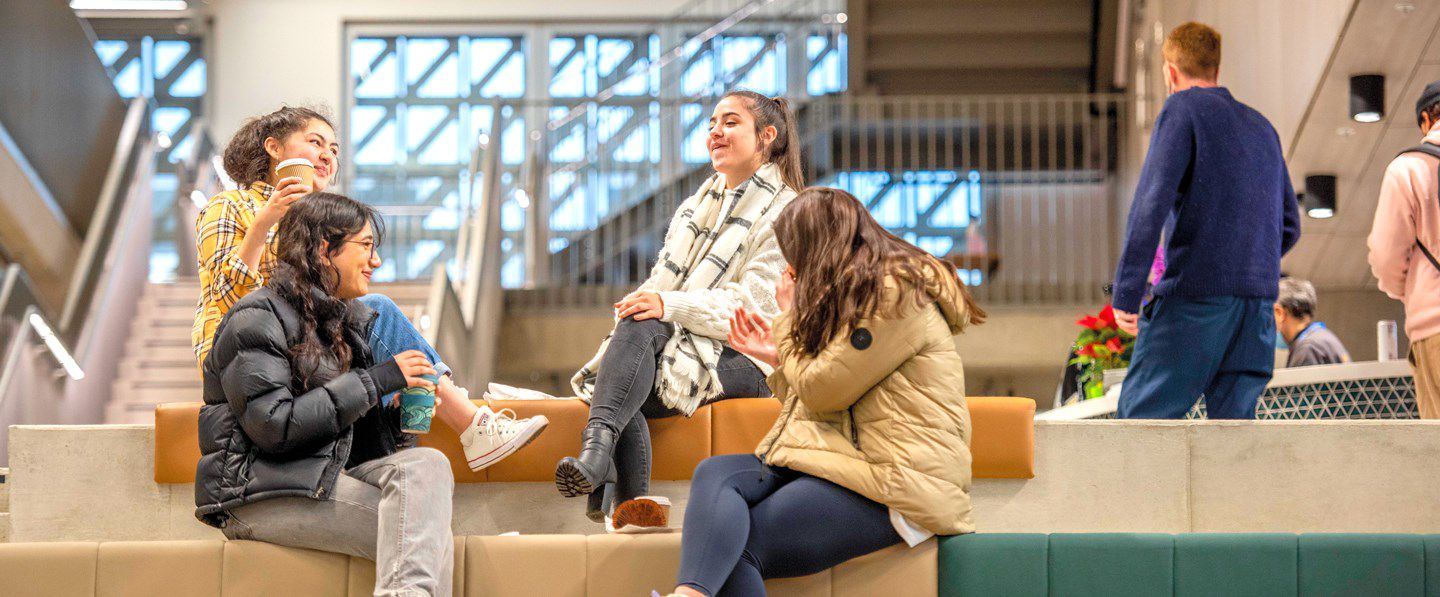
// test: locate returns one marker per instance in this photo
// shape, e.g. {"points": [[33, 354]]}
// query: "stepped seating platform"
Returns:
{"points": [[1111, 564], [1062, 507], [1003, 442]]}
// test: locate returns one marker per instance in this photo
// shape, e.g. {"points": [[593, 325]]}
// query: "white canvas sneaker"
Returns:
{"points": [[493, 436]]}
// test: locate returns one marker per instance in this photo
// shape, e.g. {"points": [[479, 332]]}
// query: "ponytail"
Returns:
{"points": [[784, 151]]}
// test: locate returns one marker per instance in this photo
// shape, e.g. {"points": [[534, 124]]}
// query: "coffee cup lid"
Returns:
{"points": [[293, 162]]}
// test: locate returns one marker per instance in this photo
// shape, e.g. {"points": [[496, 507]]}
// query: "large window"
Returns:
{"points": [[418, 105], [170, 70], [611, 125], [939, 211]]}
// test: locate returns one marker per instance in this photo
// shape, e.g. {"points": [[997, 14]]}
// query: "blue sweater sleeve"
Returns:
{"points": [[1172, 149], [1291, 232]]}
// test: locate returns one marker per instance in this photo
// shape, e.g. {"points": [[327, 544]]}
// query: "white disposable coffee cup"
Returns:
{"points": [[299, 167]]}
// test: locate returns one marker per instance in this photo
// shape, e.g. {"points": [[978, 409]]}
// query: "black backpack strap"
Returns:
{"points": [[1431, 150], [1427, 253]]}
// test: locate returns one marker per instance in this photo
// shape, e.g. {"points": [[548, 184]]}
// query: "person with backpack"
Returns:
{"points": [[1404, 238]]}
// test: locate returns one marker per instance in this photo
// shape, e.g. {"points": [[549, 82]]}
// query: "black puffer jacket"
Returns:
{"points": [[263, 437]]}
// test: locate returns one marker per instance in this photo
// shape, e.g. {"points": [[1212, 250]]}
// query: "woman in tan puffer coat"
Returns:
{"points": [[872, 446]]}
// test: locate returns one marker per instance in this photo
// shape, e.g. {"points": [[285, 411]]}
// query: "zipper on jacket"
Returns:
{"points": [[854, 429], [776, 442]]}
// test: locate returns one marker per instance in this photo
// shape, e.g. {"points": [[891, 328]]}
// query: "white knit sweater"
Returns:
{"points": [[751, 286]]}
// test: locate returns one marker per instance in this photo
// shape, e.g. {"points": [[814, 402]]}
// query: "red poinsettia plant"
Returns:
{"points": [[1101, 345]]}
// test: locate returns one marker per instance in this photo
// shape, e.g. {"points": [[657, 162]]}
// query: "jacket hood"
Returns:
{"points": [[945, 291]]}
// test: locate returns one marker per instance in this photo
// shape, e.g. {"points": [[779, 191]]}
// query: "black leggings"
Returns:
{"points": [[746, 522], [625, 396]]}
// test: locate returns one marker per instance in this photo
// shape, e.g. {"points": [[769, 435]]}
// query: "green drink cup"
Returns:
{"points": [[417, 407]]}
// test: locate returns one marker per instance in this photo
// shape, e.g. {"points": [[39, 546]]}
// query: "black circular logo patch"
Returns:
{"points": [[860, 338]]}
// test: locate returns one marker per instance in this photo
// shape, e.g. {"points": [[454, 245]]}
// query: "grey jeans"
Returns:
{"points": [[393, 510]]}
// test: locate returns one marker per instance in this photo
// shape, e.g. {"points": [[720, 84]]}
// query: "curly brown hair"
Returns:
{"points": [[841, 256], [245, 158], [312, 229]]}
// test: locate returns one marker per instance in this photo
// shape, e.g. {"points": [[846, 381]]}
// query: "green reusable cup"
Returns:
{"points": [[417, 407]]}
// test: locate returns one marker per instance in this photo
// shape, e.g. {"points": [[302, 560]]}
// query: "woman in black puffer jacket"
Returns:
{"points": [[297, 447]]}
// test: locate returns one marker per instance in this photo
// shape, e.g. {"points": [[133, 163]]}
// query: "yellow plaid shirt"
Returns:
{"points": [[224, 278]]}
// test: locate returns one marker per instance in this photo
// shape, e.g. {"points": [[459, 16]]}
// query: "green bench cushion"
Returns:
{"points": [[1190, 565], [1235, 565], [998, 564], [1112, 564], [1335, 565]]}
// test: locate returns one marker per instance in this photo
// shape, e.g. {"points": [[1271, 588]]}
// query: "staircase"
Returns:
{"points": [[928, 47], [159, 364]]}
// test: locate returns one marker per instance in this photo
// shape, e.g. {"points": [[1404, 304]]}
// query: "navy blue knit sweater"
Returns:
{"points": [[1215, 182]]}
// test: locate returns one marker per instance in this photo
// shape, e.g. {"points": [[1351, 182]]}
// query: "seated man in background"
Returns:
{"points": [[1311, 343]]}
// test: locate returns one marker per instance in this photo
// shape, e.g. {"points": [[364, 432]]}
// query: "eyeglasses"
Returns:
{"points": [[368, 244]]}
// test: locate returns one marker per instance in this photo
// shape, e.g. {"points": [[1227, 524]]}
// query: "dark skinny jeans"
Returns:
{"points": [[625, 396], [746, 522]]}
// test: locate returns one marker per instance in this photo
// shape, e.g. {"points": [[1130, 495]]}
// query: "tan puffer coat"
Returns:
{"points": [[881, 411]]}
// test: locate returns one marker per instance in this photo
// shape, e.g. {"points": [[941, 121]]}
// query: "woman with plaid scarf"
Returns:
{"points": [[668, 354]]}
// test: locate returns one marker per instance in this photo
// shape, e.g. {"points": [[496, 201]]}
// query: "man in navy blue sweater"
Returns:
{"points": [[1215, 184]]}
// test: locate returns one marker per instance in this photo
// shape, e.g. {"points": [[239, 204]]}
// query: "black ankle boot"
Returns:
{"points": [[582, 475]]}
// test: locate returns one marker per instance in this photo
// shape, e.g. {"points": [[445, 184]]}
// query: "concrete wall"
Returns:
{"points": [[244, 80], [1273, 50], [95, 483], [1352, 314]]}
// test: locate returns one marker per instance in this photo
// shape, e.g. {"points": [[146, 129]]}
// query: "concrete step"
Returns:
{"points": [[156, 392], [176, 320], [137, 367], [167, 353], [4, 527], [130, 414], [403, 291], [188, 374], [171, 291], [169, 305], [143, 345]]}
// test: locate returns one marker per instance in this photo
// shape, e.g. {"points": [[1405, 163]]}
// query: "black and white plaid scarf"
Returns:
{"points": [[702, 250]]}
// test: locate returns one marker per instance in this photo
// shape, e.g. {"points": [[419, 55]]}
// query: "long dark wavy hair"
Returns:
{"points": [[245, 158], [317, 226], [841, 256], [784, 151]]}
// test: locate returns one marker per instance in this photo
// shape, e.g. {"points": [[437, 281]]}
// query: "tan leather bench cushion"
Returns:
{"points": [[177, 442], [145, 568], [47, 569], [637, 564], [1003, 440], [550, 565], [1002, 437], [362, 574]]}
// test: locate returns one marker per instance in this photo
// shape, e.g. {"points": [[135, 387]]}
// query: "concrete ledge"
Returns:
{"points": [[93, 483]]}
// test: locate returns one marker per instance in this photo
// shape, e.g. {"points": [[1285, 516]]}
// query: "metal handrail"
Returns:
{"points": [[100, 298], [198, 181], [464, 324], [619, 207], [1039, 175], [134, 135], [733, 17]]}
